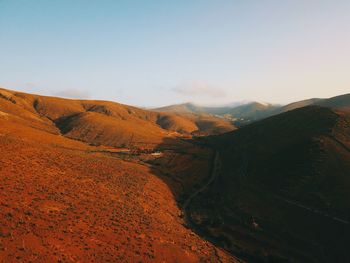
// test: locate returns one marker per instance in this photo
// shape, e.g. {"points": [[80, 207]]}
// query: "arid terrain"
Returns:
{"points": [[175, 131], [96, 181]]}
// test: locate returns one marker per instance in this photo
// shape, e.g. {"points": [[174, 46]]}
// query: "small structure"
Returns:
{"points": [[157, 153]]}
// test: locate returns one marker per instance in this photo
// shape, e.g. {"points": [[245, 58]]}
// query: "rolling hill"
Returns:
{"points": [[339, 102], [283, 187], [252, 111], [182, 108], [103, 122], [297, 105]]}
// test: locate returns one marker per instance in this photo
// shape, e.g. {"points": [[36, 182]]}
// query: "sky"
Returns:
{"points": [[153, 53]]}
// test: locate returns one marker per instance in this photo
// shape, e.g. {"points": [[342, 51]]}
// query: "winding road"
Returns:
{"points": [[214, 173]]}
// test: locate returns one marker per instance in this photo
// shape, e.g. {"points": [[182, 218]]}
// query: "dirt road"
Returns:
{"points": [[214, 173]]}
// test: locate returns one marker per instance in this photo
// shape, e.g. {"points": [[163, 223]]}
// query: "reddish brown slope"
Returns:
{"points": [[209, 125], [177, 123], [195, 124], [100, 129], [62, 205], [101, 122], [65, 201]]}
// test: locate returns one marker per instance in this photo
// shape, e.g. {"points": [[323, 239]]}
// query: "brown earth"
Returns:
{"points": [[68, 195], [103, 122]]}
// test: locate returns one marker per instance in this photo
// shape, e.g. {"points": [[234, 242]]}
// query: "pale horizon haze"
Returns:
{"points": [[156, 53]]}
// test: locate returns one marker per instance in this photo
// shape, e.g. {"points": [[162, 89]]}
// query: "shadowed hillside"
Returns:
{"points": [[283, 188]]}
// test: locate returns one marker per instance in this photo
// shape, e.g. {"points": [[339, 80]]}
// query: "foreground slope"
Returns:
{"points": [[63, 200], [283, 189]]}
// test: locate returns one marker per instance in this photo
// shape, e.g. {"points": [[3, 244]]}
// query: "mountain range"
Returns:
{"points": [[245, 113]]}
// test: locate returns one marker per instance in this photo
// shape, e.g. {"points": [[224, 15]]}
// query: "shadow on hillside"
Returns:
{"points": [[184, 164], [299, 230]]}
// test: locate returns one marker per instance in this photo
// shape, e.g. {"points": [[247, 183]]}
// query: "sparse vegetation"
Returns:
{"points": [[64, 200]]}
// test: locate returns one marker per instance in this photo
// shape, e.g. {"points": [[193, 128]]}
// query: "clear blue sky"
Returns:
{"points": [[152, 53]]}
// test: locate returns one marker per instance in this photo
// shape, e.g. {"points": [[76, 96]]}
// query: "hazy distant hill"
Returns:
{"points": [[252, 111], [181, 108], [193, 108], [249, 112], [241, 114]]}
